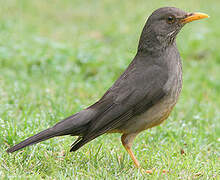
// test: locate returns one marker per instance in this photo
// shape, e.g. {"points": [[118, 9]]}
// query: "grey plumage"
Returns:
{"points": [[141, 98]]}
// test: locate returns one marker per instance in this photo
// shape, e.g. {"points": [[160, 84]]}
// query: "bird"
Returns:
{"points": [[141, 98]]}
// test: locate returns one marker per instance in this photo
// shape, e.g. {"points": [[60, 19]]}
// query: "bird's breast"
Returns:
{"points": [[162, 109]]}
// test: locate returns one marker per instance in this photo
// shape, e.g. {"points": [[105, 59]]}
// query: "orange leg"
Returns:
{"points": [[127, 140], [136, 163]]}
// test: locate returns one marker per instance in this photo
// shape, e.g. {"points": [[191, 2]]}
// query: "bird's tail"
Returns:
{"points": [[73, 125], [42, 136]]}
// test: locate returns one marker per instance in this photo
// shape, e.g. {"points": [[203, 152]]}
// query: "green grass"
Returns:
{"points": [[58, 57]]}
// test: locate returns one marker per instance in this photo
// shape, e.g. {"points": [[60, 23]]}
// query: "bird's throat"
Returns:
{"points": [[155, 43]]}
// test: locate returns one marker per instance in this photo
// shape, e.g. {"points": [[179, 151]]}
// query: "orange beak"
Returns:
{"points": [[193, 17]]}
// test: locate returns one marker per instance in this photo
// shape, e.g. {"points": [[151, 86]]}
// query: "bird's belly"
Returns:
{"points": [[155, 115], [152, 117]]}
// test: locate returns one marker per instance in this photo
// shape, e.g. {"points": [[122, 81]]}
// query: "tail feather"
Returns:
{"points": [[42, 136], [75, 125], [78, 144]]}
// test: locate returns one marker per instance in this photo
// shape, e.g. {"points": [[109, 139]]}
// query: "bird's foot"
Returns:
{"points": [[151, 171]]}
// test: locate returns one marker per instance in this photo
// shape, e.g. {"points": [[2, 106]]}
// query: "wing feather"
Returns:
{"points": [[132, 94]]}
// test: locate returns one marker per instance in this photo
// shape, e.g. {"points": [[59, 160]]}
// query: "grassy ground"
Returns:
{"points": [[57, 57]]}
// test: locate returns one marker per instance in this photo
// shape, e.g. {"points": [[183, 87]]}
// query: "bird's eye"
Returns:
{"points": [[171, 19]]}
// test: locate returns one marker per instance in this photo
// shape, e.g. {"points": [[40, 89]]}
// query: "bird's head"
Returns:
{"points": [[164, 24]]}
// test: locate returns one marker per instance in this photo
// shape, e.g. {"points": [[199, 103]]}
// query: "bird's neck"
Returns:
{"points": [[155, 49], [151, 42]]}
